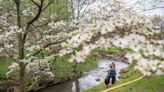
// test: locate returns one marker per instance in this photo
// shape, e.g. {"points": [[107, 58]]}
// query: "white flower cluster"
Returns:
{"points": [[104, 42], [146, 65], [15, 29], [13, 68], [3, 19], [60, 25], [78, 39], [80, 56], [33, 48], [108, 21], [12, 33], [40, 67], [34, 67], [132, 41], [53, 16], [8, 38], [149, 67], [28, 12], [130, 30]]}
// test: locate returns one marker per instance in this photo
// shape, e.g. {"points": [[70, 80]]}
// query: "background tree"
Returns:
{"points": [[79, 8], [32, 39]]}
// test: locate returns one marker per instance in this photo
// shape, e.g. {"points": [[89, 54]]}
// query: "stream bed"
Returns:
{"points": [[92, 78]]}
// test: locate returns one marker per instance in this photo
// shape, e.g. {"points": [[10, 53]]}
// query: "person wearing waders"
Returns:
{"points": [[111, 75]]}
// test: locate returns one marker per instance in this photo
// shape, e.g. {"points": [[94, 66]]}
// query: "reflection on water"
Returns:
{"points": [[63, 87], [69, 86], [76, 86], [93, 78]]}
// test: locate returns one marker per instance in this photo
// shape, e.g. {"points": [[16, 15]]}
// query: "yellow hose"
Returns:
{"points": [[124, 84]]}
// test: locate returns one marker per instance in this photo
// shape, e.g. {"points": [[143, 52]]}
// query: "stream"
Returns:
{"points": [[92, 78]]}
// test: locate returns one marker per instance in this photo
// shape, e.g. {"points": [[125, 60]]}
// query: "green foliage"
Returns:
{"points": [[65, 70], [116, 50], [90, 64], [60, 8], [4, 63], [62, 68]]}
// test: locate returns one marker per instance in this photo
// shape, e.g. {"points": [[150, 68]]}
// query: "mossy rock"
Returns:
{"points": [[97, 79]]}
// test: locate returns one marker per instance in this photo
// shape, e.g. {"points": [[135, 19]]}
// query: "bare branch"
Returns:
{"points": [[152, 8]]}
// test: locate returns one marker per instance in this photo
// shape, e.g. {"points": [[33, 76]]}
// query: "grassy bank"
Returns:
{"points": [[115, 51], [4, 63], [65, 70], [149, 84]]}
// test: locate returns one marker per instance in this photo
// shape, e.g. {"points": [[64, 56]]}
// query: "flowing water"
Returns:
{"points": [[93, 78]]}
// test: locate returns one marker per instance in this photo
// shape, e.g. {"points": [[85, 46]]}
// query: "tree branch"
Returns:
{"points": [[152, 8], [37, 15], [35, 3], [34, 18], [50, 2], [47, 45]]}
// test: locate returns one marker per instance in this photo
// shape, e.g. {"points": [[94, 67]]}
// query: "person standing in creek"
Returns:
{"points": [[111, 75]]}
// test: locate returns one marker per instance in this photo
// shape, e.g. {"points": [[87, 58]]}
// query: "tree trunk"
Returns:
{"points": [[21, 50], [22, 77], [74, 68], [77, 85]]}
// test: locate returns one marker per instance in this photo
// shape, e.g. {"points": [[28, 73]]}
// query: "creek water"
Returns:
{"points": [[92, 78]]}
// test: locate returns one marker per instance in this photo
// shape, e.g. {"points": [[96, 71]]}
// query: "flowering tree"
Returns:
{"points": [[33, 40], [115, 25]]}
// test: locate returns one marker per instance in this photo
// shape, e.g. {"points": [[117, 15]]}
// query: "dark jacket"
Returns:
{"points": [[112, 72]]}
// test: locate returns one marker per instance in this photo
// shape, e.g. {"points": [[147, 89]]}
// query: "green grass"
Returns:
{"points": [[117, 51], [60, 8], [150, 84], [4, 63]]}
